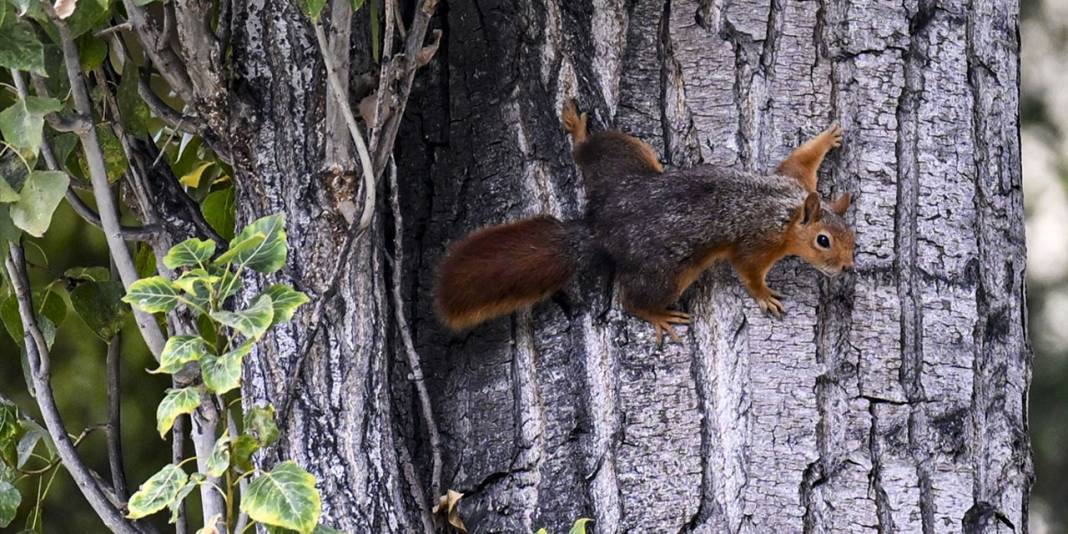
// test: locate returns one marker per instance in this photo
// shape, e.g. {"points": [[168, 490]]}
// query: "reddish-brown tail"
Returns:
{"points": [[499, 269]]}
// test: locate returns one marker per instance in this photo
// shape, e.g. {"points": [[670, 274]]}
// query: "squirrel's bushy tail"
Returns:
{"points": [[498, 269]]}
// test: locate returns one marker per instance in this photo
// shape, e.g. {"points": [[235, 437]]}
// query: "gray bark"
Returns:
{"points": [[893, 399]]}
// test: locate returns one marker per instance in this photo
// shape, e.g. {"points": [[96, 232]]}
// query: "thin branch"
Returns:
{"points": [[112, 29], [94, 156], [114, 426], [177, 456], [406, 335], [242, 517], [168, 63], [38, 357], [354, 130]]}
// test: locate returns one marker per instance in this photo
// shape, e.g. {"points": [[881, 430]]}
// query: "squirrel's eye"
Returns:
{"points": [[823, 241]]}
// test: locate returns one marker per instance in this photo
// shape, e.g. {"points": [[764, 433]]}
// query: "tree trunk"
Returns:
{"points": [[893, 399]]}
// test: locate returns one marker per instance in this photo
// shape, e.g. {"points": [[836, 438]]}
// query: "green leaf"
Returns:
{"points": [[238, 247], [580, 526], [89, 14], [179, 351], [270, 255], [357, 4], [312, 9], [23, 123], [7, 193], [38, 199], [20, 49], [133, 110], [285, 300], [242, 450], [115, 163], [220, 212], [9, 503], [32, 433], [91, 52], [100, 306], [253, 321], [49, 307], [286, 497], [157, 492], [192, 251], [144, 260], [153, 294], [177, 402], [92, 274], [259, 422], [219, 461], [223, 373], [194, 480]]}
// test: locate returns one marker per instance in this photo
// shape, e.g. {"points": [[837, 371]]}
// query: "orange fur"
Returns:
{"points": [[499, 269]]}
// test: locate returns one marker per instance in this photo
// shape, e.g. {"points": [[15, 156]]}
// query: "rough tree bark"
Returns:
{"points": [[892, 400]]}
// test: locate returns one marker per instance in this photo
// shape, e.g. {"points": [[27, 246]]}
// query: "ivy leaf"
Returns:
{"points": [[357, 4], [270, 255], [49, 307], [32, 433], [448, 507], [20, 49], [23, 123], [153, 294], [313, 9], [580, 526], [177, 402], [285, 300], [253, 321], [7, 193], [114, 157], [179, 351], [133, 110], [91, 274], [91, 51], [87, 15], [220, 211], [259, 422], [219, 461], [192, 251], [286, 497], [99, 304], [242, 449], [194, 480], [157, 492], [223, 373], [238, 247], [38, 199], [9, 503]]}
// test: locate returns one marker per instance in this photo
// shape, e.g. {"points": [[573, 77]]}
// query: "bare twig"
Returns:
{"points": [[177, 456], [38, 357], [406, 334], [242, 517], [121, 27], [114, 426], [168, 63], [354, 129], [109, 218]]}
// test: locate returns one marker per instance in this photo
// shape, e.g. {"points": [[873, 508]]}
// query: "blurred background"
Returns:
{"points": [[1044, 117], [79, 355]]}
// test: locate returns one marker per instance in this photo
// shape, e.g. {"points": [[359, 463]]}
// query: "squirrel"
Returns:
{"points": [[658, 230]]}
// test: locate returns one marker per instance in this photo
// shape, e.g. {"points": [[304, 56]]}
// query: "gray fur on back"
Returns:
{"points": [[640, 224]]}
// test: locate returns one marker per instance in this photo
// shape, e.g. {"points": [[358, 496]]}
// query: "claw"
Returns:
{"points": [[772, 306], [835, 133]]}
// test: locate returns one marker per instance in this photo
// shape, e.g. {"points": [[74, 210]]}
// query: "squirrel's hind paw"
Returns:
{"points": [[772, 306]]}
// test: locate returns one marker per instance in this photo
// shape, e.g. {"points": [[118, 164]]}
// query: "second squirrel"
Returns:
{"points": [[659, 230]]}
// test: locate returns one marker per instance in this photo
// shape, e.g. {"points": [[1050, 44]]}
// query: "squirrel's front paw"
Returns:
{"points": [[770, 304], [833, 135]]}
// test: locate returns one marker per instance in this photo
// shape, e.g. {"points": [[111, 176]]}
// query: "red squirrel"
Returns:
{"points": [[659, 230]]}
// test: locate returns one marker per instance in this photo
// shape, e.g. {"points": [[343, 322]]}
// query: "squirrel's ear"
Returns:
{"points": [[840, 206], [812, 209]]}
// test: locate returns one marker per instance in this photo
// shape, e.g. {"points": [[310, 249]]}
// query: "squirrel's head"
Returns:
{"points": [[822, 237]]}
